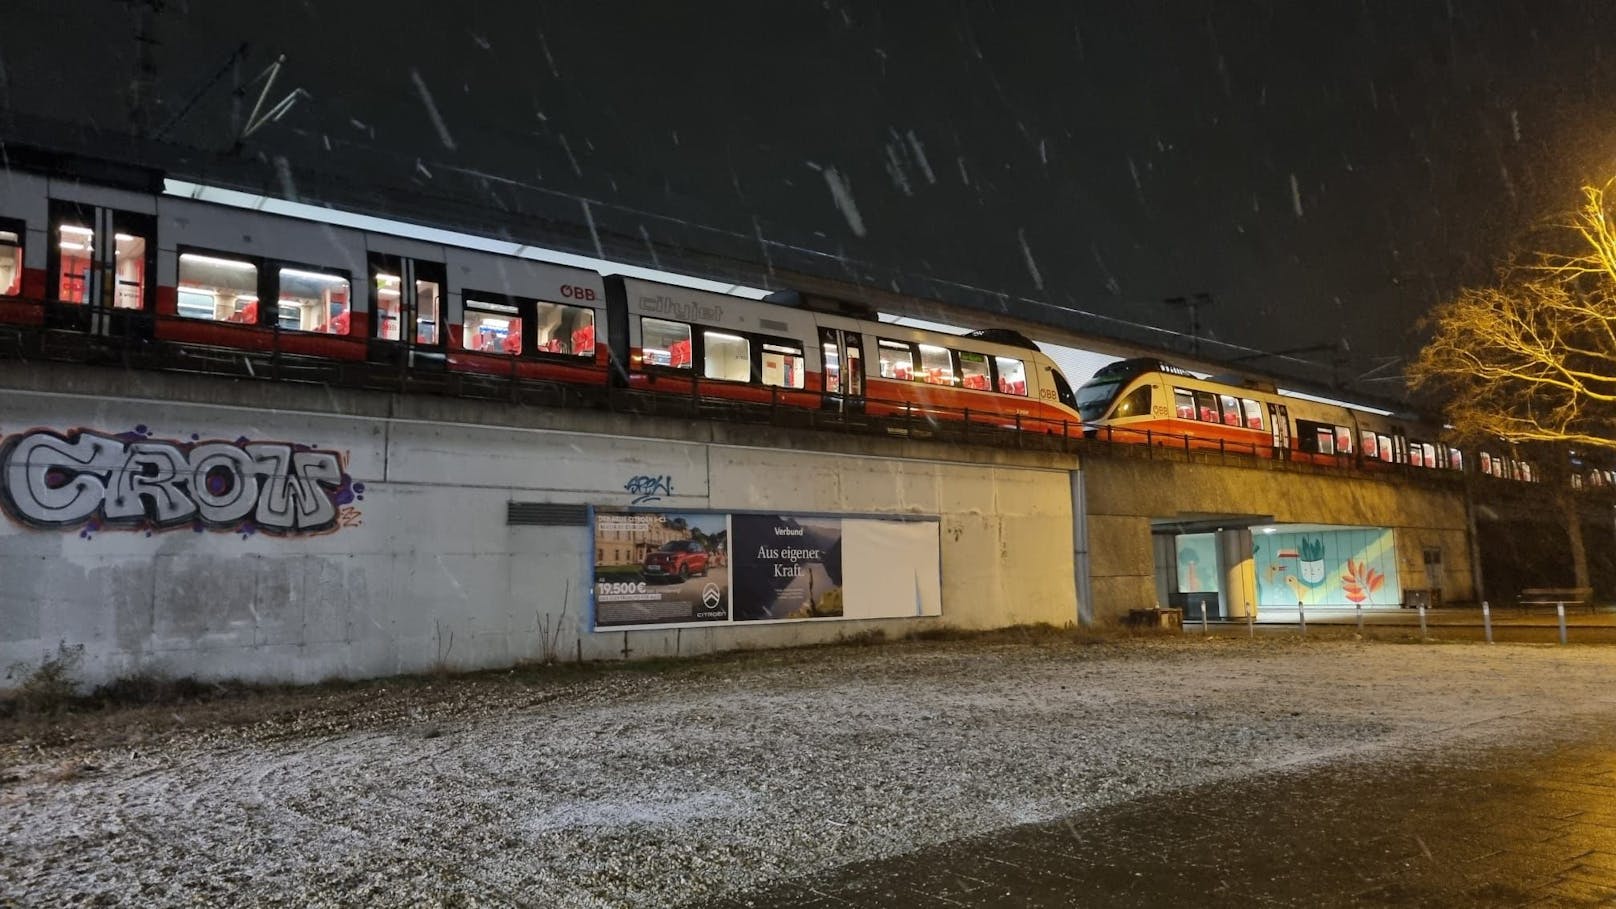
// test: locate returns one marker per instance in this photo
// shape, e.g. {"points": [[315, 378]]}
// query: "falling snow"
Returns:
{"points": [[895, 171], [432, 110], [1032, 266], [571, 158], [1296, 196], [544, 45], [841, 192], [589, 219], [919, 152]]}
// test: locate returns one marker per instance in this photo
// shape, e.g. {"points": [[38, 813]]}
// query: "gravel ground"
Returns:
{"points": [[656, 787]]}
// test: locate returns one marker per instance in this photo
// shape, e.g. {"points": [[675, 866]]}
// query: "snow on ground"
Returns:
{"points": [[637, 787]]}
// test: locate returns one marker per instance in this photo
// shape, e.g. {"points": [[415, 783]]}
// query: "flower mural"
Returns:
{"points": [[1359, 582]]}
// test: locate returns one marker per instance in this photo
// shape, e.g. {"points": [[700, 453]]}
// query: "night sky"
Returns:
{"points": [[1325, 171]]}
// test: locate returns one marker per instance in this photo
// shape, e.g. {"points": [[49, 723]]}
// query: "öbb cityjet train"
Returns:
{"points": [[129, 261], [1148, 402], [133, 262]]}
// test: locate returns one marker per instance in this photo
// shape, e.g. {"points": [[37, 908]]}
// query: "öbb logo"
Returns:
{"points": [[87, 478], [574, 292]]}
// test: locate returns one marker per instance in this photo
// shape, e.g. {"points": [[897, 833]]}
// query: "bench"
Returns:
{"points": [[1554, 596], [1156, 618]]}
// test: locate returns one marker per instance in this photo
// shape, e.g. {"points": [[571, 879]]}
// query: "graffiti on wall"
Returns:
{"points": [[130, 481], [649, 488]]}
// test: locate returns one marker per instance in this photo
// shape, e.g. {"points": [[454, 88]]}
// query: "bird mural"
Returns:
{"points": [[1303, 593]]}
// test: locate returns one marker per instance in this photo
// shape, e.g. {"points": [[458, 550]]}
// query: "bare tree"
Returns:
{"points": [[1533, 358]]}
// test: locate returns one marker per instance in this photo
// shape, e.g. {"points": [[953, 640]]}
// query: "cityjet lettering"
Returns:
{"points": [[49, 480], [688, 310]]}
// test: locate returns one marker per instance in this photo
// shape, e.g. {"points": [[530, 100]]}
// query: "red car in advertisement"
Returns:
{"points": [[676, 559]]}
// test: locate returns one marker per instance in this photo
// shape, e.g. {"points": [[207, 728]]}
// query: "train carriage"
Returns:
{"points": [[1147, 401], [687, 341]]}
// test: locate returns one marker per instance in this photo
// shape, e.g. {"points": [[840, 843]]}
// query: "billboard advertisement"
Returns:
{"points": [[664, 568], [661, 568]]}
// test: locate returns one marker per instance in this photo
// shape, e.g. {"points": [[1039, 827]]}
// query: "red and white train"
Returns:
{"points": [[133, 261], [110, 260]]}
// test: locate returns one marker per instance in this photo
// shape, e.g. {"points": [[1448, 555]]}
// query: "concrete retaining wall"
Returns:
{"points": [[417, 564], [1124, 494]]}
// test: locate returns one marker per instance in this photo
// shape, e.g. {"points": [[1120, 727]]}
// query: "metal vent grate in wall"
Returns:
{"points": [[774, 324], [546, 514]]}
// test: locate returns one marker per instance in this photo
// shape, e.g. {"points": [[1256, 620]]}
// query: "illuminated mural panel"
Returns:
{"points": [[1197, 562], [1346, 567]]}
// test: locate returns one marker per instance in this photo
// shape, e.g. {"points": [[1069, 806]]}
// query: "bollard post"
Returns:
{"points": [[1203, 618], [1302, 615], [1487, 620], [1559, 610], [1422, 622], [1359, 608]]}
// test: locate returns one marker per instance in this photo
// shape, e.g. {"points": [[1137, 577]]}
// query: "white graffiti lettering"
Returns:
{"points": [[84, 477]]}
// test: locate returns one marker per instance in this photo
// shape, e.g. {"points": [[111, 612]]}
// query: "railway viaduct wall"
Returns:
{"points": [[1125, 491], [386, 546], [412, 559]]}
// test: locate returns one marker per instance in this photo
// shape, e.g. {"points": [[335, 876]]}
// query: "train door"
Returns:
{"points": [[1279, 419], [843, 356], [407, 309], [103, 264], [1399, 447]]}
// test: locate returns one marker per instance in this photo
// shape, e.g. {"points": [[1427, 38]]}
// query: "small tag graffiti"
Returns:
{"points": [[130, 481], [648, 488]]}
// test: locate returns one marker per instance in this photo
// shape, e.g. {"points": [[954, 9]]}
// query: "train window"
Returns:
{"points": [[1485, 463], [897, 360], [728, 357], [1206, 407], [1253, 413], [389, 305], [1183, 404], [1231, 409], [76, 242], [1343, 440], [1135, 403], [1370, 449], [782, 365], [1326, 437], [11, 239], [312, 301], [1430, 455], [564, 329], [1416, 454], [494, 328], [129, 270], [218, 289], [937, 365], [1013, 380], [1063, 391], [665, 343], [833, 367], [428, 311], [1455, 459], [974, 371], [1386, 452]]}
